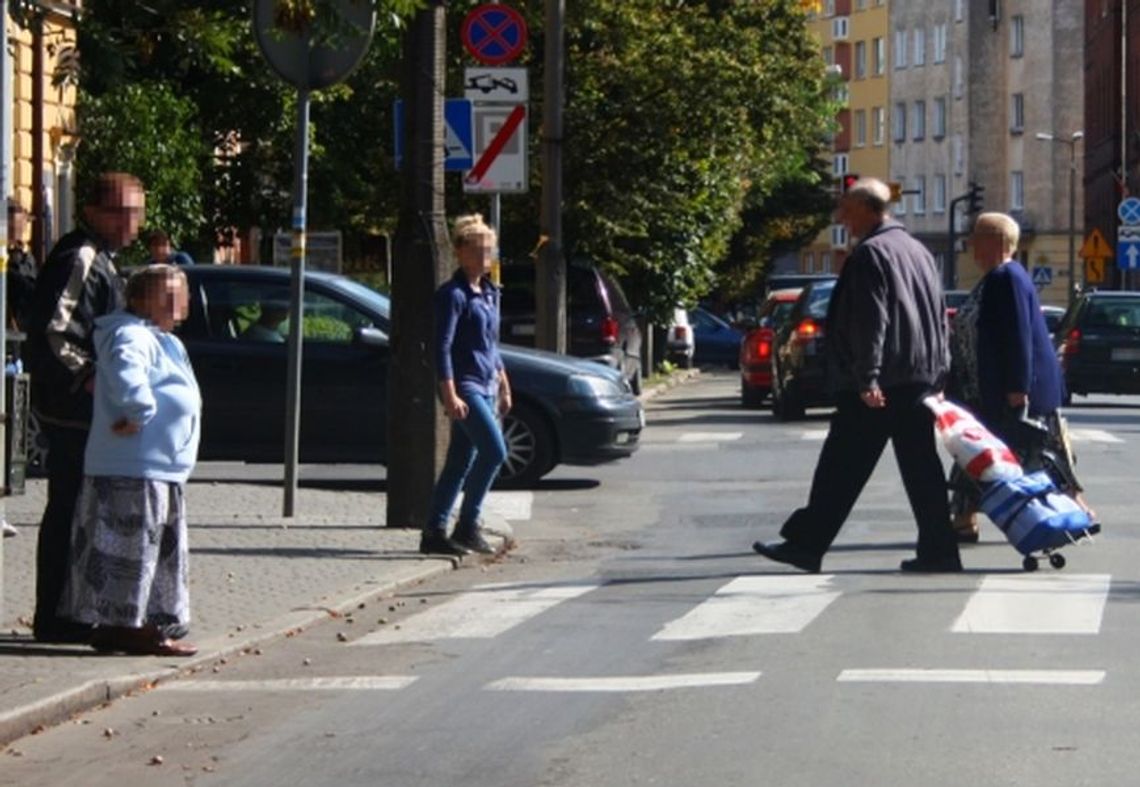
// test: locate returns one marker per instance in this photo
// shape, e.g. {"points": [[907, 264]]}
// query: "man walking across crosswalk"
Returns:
{"points": [[887, 350]]}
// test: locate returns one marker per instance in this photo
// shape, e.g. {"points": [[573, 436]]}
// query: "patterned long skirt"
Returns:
{"points": [[129, 555]]}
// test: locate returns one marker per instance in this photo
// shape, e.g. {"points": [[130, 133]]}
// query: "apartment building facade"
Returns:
{"points": [[1005, 75], [853, 36]]}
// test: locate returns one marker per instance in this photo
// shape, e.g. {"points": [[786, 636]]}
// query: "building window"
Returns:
{"points": [[829, 55], [842, 93], [919, 121], [880, 45], [809, 262], [839, 164], [860, 5], [920, 196], [825, 262], [1016, 36], [899, 134], [959, 10], [900, 206], [860, 59], [940, 43], [900, 48], [920, 47], [878, 125], [860, 128], [840, 28], [838, 236], [939, 130], [959, 77], [1017, 190], [829, 8], [939, 197], [1017, 113], [959, 155]]}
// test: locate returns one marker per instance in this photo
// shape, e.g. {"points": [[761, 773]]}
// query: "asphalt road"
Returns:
{"points": [[634, 639]]}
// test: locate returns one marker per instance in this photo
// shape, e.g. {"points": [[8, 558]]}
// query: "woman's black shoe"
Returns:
{"points": [[440, 544], [474, 542]]}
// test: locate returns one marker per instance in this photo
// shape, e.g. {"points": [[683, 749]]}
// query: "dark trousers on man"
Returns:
{"points": [[53, 549], [854, 443]]}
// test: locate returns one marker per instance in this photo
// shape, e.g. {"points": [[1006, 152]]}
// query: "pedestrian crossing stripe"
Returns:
{"points": [[710, 437], [1056, 604], [1045, 677], [625, 684]]}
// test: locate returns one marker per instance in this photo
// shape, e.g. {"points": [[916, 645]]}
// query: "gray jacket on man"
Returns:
{"points": [[886, 322]]}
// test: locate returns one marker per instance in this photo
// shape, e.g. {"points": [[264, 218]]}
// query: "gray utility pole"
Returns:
{"points": [[417, 430], [550, 277]]}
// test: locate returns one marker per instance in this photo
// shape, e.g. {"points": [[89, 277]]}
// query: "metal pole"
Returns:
{"points": [[1127, 275], [1072, 221], [5, 190], [296, 305], [949, 273]]}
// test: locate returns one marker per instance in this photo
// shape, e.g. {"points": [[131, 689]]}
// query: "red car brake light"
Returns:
{"points": [[1071, 344], [808, 329], [609, 330]]}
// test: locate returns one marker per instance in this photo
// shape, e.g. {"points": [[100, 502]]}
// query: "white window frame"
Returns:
{"points": [[920, 195], [959, 77], [920, 46], [1017, 190], [860, 56], [900, 49], [939, 44], [838, 236], [898, 122], [1016, 35], [839, 164], [938, 123], [959, 155], [918, 123], [959, 10], [899, 208], [860, 123], [840, 28], [938, 199], [829, 7], [878, 125], [879, 56]]}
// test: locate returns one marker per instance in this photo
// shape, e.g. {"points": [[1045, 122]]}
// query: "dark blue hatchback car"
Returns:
{"points": [[566, 410]]}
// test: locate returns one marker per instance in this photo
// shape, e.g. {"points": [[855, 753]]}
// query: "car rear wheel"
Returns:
{"points": [[751, 397], [785, 405], [530, 447]]}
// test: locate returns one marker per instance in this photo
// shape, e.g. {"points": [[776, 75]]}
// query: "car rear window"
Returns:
{"points": [[1114, 313], [519, 288], [780, 312], [818, 299]]}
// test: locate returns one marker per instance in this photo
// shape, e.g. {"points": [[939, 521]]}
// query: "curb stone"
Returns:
{"points": [[676, 378]]}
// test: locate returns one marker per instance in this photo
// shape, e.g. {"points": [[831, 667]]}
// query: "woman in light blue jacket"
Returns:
{"points": [[129, 573]]}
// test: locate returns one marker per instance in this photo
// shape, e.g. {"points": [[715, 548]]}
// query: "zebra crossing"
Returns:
{"points": [[711, 439], [1060, 604]]}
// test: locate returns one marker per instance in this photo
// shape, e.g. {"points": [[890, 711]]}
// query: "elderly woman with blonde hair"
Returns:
{"points": [[1003, 363], [474, 389]]}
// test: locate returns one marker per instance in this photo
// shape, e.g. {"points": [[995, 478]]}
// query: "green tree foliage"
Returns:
{"points": [[147, 130], [681, 116]]}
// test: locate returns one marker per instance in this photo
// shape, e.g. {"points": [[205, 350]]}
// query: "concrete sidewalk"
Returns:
{"points": [[253, 578]]}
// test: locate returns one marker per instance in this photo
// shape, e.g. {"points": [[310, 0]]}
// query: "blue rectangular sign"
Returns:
{"points": [[458, 134], [1128, 254]]}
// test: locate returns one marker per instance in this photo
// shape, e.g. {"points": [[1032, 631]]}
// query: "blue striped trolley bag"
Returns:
{"points": [[1036, 517]]}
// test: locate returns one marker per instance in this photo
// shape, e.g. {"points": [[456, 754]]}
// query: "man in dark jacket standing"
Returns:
{"points": [[77, 284], [887, 350]]}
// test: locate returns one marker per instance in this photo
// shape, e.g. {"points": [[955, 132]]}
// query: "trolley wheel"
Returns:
{"points": [[1030, 563], [1057, 560]]}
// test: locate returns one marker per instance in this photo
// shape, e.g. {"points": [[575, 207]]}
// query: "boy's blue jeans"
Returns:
{"points": [[474, 455]]}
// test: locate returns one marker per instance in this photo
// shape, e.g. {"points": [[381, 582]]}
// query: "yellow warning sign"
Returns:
{"points": [[1094, 270], [1096, 247]]}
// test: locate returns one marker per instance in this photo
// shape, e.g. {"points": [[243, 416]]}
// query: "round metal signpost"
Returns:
{"points": [[310, 66]]}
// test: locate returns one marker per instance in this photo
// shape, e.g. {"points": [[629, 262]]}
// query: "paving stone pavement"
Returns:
{"points": [[253, 576]]}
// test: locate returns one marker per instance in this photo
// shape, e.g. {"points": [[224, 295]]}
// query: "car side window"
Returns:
{"points": [[259, 312]]}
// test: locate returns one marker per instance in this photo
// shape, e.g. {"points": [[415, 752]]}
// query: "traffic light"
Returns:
{"points": [[974, 198], [846, 182]]}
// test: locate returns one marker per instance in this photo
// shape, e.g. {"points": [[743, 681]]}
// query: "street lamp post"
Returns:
{"points": [[1072, 141]]}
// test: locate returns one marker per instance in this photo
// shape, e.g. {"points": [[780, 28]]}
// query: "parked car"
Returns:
{"points": [[1053, 317], [1098, 343], [756, 349], [799, 368], [788, 281], [718, 343], [601, 325], [679, 340], [566, 411]]}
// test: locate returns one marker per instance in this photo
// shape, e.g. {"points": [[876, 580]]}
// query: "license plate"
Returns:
{"points": [[1125, 354], [522, 330]]}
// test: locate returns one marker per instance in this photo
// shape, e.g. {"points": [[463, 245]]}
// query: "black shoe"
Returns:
{"points": [[440, 544], [946, 565], [62, 632], [474, 542], [783, 552]]}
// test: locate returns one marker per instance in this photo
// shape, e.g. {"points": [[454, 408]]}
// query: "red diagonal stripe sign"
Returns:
{"points": [[497, 144]]}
